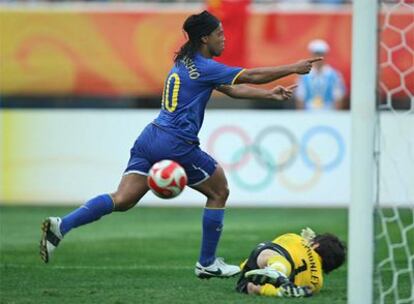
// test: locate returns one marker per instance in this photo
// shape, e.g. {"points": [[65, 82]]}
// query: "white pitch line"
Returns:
{"points": [[80, 267]]}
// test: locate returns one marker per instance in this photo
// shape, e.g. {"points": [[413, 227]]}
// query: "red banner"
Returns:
{"points": [[234, 15], [129, 53]]}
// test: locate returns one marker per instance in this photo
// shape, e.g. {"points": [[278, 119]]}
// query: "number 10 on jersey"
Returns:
{"points": [[168, 102]]}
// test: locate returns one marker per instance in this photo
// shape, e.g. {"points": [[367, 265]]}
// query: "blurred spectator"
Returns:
{"points": [[330, 1], [323, 88]]}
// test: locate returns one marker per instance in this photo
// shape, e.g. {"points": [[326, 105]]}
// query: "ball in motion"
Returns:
{"points": [[167, 179]]}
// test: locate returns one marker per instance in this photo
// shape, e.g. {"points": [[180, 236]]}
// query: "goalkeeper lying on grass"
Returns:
{"points": [[291, 265]]}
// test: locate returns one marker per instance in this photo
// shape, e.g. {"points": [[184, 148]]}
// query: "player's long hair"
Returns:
{"points": [[188, 49], [332, 251], [196, 26]]}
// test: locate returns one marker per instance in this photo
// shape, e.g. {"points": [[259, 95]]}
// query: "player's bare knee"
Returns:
{"points": [[123, 207], [223, 194], [252, 288], [264, 256], [218, 197], [123, 202]]}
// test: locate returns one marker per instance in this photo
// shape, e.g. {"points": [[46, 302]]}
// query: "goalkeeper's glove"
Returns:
{"points": [[308, 234], [266, 276], [290, 290]]}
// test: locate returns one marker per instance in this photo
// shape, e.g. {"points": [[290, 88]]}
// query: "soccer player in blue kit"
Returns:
{"points": [[173, 135]]}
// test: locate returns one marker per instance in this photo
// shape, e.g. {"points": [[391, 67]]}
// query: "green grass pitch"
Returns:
{"points": [[146, 255]]}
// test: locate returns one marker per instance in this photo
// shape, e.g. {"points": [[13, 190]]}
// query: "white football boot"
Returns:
{"points": [[218, 269], [51, 236]]}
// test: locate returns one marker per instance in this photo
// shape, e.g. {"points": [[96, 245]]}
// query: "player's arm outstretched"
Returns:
{"points": [[244, 91], [269, 74]]}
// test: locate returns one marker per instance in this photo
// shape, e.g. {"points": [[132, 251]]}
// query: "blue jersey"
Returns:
{"points": [[187, 90]]}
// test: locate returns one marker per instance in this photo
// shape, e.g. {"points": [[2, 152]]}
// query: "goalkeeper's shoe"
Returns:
{"points": [[218, 269], [51, 236], [266, 276]]}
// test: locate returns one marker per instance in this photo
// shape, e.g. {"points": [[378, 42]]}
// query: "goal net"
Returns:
{"points": [[394, 212]]}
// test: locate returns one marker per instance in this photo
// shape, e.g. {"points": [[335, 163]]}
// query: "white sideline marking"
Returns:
{"points": [[132, 267]]}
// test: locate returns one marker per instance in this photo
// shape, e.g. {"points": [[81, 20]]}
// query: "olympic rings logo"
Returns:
{"points": [[254, 149]]}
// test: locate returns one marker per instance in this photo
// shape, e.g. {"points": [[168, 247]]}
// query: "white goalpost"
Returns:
{"points": [[381, 213], [363, 100]]}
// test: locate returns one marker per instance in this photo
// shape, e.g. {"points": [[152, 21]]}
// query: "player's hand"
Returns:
{"points": [[304, 66], [281, 93], [290, 290]]}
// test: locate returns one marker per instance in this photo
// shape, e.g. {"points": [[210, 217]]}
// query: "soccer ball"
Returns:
{"points": [[167, 179]]}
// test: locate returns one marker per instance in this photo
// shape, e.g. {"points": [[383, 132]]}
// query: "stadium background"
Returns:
{"points": [[78, 81]]}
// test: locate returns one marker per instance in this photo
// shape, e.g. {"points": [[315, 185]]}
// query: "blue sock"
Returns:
{"points": [[212, 226], [91, 211]]}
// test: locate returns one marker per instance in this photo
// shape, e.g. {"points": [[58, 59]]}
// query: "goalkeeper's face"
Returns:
{"points": [[215, 41]]}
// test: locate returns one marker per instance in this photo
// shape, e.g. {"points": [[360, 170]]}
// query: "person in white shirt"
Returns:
{"points": [[323, 88]]}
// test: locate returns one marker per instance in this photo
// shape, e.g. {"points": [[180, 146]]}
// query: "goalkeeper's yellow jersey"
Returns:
{"points": [[301, 264], [307, 263]]}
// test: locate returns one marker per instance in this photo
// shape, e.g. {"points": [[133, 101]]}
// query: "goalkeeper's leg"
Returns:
{"points": [[269, 271], [266, 276]]}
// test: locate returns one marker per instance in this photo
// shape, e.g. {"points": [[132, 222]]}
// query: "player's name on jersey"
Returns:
{"points": [[191, 67], [313, 268]]}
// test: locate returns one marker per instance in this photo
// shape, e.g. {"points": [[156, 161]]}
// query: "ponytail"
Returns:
{"points": [[188, 49]]}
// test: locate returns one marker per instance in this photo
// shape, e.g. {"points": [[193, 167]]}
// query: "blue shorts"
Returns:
{"points": [[155, 144]]}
